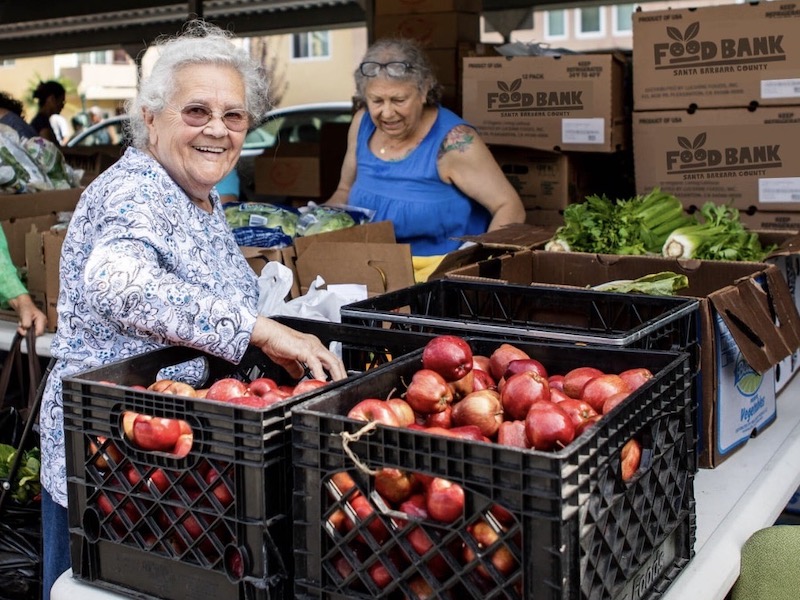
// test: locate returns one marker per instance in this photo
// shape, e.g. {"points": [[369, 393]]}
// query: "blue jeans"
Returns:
{"points": [[55, 543]]}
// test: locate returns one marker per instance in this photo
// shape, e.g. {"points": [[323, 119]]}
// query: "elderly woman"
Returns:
{"points": [[416, 163], [149, 260]]}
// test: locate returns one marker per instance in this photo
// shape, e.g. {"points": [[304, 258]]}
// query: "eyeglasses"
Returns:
{"points": [[198, 115], [393, 69]]}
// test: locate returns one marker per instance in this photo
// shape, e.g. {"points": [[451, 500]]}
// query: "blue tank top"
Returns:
{"points": [[426, 212]]}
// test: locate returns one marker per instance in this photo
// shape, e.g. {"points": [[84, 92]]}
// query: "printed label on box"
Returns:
{"points": [[780, 88], [779, 189], [746, 398], [583, 131]]}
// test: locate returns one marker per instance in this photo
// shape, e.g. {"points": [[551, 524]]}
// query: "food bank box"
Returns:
{"points": [[365, 254], [135, 515], [717, 56], [555, 103], [787, 258], [565, 523], [749, 323], [728, 156]]}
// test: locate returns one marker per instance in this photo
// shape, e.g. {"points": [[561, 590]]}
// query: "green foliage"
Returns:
{"points": [[26, 482]]}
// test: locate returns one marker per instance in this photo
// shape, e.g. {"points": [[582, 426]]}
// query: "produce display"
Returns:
{"points": [[33, 165], [656, 224], [486, 468], [25, 486]]}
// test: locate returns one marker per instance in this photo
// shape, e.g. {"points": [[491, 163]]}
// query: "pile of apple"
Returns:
{"points": [[168, 511], [507, 397]]}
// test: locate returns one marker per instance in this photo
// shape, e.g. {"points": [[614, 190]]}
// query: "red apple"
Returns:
{"points": [[612, 401], [261, 385], [448, 355], [170, 386], [374, 409], [636, 377], [462, 387], [402, 410], [578, 410], [226, 388], [502, 355], [512, 433], [482, 409], [343, 483], [415, 507], [479, 361], [575, 379], [157, 433], [481, 380], [219, 487], [586, 423], [525, 364], [428, 392], [548, 427], [157, 481], [599, 388], [420, 589], [380, 574], [557, 395], [444, 500], [365, 513], [521, 391], [422, 543], [467, 432], [630, 457], [442, 419], [394, 485], [183, 446], [556, 382], [502, 558], [128, 419], [307, 385], [268, 398]]}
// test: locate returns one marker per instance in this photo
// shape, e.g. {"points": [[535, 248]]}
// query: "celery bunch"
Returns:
{"points": [[720, 236], [639, 225]]}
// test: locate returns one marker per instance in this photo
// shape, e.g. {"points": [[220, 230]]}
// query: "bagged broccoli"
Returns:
{"points": [[51, 162], [261, 237], [320, 219], [258, 214]]}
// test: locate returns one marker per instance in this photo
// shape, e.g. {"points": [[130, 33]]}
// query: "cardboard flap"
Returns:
{"points": [[763, 320], [381, 232], [381, 267], [519, 236]]}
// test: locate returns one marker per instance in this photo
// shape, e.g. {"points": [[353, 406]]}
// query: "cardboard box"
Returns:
{"points": [[43, 257], [20, 212], [547, 218], [748, 159], [717, 56], [366, 254], [430, 30], [787, 259], [403, 7], [492, 244], [770, 220], [749, 323], [555, 103], [292, 171]]}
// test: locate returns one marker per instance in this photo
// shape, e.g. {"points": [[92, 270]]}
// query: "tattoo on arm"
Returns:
{"points": [[459, 138]]}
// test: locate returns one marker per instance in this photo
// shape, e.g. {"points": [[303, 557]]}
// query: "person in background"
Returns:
{"points": [[149, 261], [51, 97], [13, 292], [11, 115], [416, 163], [60, 128], [101, 136], [79, 123]]}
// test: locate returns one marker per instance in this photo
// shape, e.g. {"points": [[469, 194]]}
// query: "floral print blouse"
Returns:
{"points": [[141, 267]]}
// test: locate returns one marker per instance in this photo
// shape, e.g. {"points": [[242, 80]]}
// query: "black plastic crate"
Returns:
{"points": [[577, 530], [140, 515], [533, 312]]}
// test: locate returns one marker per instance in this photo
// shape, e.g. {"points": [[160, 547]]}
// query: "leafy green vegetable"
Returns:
{"points": [[26, 484], [639, 225], [720, 236], [665, 283]]}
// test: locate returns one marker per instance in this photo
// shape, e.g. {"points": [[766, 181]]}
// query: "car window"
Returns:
{"points": [[293, 127]]}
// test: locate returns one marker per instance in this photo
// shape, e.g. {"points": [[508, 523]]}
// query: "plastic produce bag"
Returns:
{"points": [[261, 214], [262, 237], [320, 219], [20, 552]]}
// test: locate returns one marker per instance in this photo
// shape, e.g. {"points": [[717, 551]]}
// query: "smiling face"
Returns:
{"points": [[198, 157], [395, 107]]}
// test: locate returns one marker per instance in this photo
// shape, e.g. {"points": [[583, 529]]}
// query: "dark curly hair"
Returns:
{"points": [[45, 89], [8, 102]]}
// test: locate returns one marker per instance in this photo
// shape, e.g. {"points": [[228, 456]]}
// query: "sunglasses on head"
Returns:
{"points": [[393, 69], [199, 115]]}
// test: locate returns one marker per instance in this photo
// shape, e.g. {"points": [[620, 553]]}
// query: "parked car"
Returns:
{"points": [[299, 123]]}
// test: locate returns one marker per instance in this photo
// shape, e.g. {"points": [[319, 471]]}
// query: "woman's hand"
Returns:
{"points": [[292, 350], [29, 315]]}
